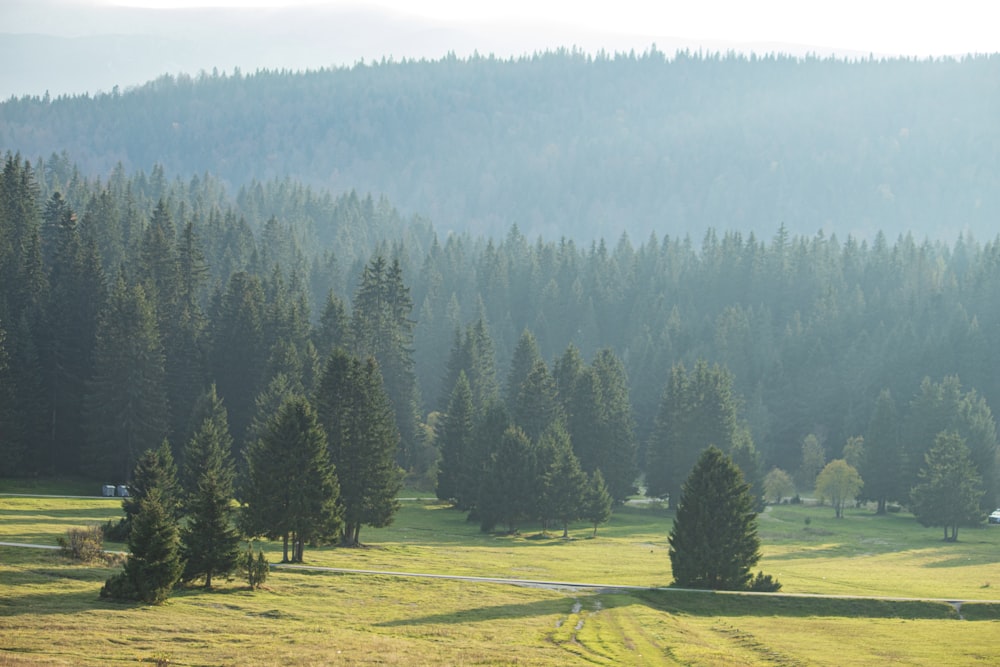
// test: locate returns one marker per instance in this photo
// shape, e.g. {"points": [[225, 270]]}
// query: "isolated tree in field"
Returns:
{"points": [[210, 541], [154, 562], [714, 542], [949, 487], [882, 464], [597, 501], [291, 490], [777, 485], [838, 482], [355, 412]]}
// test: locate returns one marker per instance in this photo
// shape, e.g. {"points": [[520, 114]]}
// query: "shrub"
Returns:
{"points": [[765, 583], [256, 567], [83, 544]]}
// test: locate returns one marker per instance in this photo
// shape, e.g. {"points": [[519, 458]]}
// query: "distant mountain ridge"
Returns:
{"points": [[566, 144]]}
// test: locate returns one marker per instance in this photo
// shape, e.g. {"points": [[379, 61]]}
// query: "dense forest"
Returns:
{"points": [[558, 141], [125, 297]]}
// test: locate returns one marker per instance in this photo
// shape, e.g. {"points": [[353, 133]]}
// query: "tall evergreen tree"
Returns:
{"points": [[526, 356], [564, 483], [126, 404], [381, 328], [355, 412], [617, 458], [508, 493], [155, 470], [238, 349], [456, 472], [598, 501], [714, 542], [949, 488], [537, 406], [154, 564], [291, 491], [882, 463], [698, 409], [210, 541]]}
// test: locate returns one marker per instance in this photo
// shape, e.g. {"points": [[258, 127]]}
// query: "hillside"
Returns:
{"points": [[563, 144]]}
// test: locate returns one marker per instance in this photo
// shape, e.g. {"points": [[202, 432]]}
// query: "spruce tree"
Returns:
{"points": [[154, 564], [126, 404], [564, 481], [949, 488], [597, 501], [210, 541], [355, 413], [155, 470], [714, 542], [454, 437], [508, 494], [291, 491]]}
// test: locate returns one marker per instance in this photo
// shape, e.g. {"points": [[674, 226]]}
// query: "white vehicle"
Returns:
{"points": [[995, 517]]}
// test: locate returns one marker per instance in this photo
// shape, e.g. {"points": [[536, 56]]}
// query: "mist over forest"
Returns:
{"points": [[568, 144], [811, 236]]}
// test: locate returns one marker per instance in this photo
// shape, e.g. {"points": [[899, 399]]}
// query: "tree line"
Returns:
{"points": [[123, 300]]}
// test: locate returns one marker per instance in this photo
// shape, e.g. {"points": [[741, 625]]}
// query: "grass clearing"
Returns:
{"points": [[50, 612]]}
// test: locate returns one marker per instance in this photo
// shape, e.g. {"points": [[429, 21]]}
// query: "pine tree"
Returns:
{"points": [[697, 410], [617, 458], [126, 405], [381, 328], [291, 491], [949, 488], [155, 470], [355, 413], [526, 356], [564, 481], [537, 406], [714, 542], [455, 433], [154, 562], [210, 539], [598, 501], [508, 494], [882, 464]]}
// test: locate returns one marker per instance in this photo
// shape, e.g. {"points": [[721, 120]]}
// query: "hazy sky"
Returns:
{"points": [[80, 46], [882, 26]]}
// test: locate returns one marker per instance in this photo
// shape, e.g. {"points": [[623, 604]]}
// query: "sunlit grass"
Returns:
{"points": [[50, 612]]}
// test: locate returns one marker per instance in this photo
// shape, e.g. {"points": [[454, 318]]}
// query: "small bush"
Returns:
{"points": [[796, 500], [893, 509], [83, 544], [256, 567], [765, 583], [808, 520]]}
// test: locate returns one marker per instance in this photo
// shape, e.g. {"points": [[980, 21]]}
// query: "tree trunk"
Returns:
{"points": [[881, 506], [284, 548], [565, 530]]}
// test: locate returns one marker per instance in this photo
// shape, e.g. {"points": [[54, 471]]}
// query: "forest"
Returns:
{"points": [[556, 141], [127, 297]]}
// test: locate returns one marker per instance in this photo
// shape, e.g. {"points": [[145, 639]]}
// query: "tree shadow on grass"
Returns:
{"points": [[713, 604]]}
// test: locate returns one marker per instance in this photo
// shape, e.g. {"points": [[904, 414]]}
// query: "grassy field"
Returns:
{"points": [[50, 612]]}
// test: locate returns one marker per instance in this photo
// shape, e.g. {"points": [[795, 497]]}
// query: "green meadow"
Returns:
{"points": [[50, 613]]}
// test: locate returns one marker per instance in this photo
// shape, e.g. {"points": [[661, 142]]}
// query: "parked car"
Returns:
{"points": [[995, 517]]}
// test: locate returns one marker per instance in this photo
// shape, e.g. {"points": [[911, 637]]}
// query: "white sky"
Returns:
{"points": [[900, 27]]}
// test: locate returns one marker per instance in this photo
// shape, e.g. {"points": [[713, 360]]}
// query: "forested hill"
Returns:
{"points": [[564, 144]]}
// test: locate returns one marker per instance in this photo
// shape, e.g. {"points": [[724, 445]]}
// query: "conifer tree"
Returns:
{"points": [[564, 481], [882, 464], [157, 470], [949, 488], [526, 355], [598, 501], [210, 541], [355, 413], [508, 494], [381, 328], [537, 406], [154, 564], [455, 433], [617, 458], [714, 542], [126, 403], [291, 491]]}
